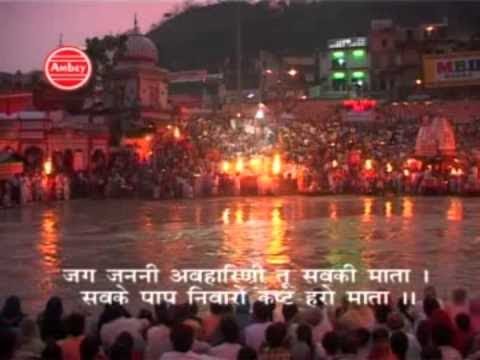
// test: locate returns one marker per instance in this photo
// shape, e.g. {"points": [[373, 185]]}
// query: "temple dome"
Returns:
{"points": [[139, 48]]}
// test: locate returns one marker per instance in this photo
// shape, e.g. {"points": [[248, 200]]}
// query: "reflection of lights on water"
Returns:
{"points": [[48, 245], [455, 210], [407, 208], [367, 209], [333, 211], [388, 209], [239, 216], [226, 216], [276, 253]]}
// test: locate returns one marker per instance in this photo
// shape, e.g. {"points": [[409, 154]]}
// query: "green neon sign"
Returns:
{"points": [[359, 53], [338, 54], [358, 75], [339, 75]]}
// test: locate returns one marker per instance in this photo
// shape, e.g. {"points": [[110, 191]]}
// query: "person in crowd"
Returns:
{"points": [[255, 333], [118, 321], [363, 336], [29, 344], [12, 314], [348, 347], [442, 337], [51, 351], [211, 322], [7, 344], [75, 326], [158, 336], [459, 303], [399, 345], [380, 349], [304, 347], [247, 353], [122, 348], [90, 348], [275, 346], [463, 338], [230, 346], [331, 343], [51, 322], [182, 337]]}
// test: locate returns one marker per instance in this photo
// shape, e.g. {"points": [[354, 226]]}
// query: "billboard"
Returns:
{"points": [[455, 69]]}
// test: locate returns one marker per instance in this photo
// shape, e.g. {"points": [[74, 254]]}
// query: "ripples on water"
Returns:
{"points": [[440, 234]]}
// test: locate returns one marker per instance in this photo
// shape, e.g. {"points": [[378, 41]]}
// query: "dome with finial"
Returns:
{"points": [[139, 48]]}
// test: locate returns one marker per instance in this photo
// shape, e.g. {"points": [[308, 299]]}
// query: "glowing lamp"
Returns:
{"points": [[176, 133], [334, 163], [225, 166], [255, 164], [277, 164], [239, 165], [48, 167], [389, 168], [406, 172], [148, 138], [260, 114], [292, 72], [368, 164]]}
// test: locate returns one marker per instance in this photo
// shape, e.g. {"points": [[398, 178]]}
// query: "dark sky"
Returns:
{"points": [[30, 29]]}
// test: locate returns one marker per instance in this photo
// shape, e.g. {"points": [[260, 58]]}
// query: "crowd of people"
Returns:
{"points": [[321, 153], [433, 328]]}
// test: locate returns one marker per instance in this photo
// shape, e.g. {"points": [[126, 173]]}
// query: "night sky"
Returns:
{"points": [[30, 29]]}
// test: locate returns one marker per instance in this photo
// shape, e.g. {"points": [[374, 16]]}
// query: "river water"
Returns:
{"points": [[438, 234]]}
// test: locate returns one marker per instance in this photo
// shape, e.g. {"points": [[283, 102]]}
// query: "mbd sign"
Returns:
{"points": [[68, 68], [456, 69]]}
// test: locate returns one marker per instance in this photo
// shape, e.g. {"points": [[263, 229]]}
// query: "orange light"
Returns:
{"points": [[368, 164], [176, 133], [225, 166], [406, 172], [48, 167], [430, 28], [269, 71], [239, 165], [255, 164], [389, 168], [418, 81], [148, 137], [334, 164], [277, 164], [292, 72]]}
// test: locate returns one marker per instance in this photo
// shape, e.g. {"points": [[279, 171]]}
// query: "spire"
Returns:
{"points": [[135, 24]]}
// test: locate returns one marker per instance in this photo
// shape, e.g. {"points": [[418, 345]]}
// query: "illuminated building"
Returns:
{"points": [[347, 65], [139, 85], [44, 134]]}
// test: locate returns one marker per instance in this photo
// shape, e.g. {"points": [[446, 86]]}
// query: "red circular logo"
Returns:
{"points": [[68, 68]]}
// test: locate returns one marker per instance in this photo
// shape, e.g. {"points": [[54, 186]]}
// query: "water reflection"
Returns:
{"points": [[388, 209], [367, 209], [48, 247], [407, 208], [277, 252], [276, 233], [455, 210]]}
